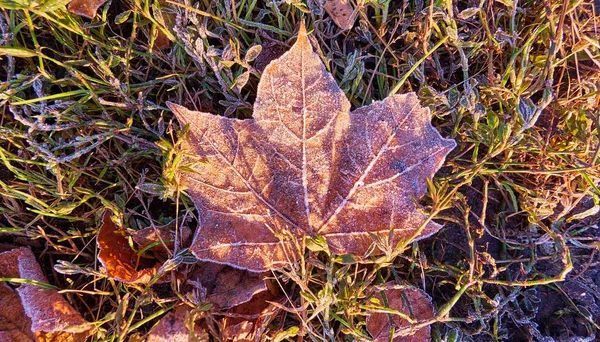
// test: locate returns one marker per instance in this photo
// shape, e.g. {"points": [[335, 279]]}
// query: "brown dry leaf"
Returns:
{"points": [[248, 322], [306, 165], [117, 256], [172, 328], [226, 287], [162, 40], [408, 300], [341, 12], [85, 8], [158, 235], [32, 313]]}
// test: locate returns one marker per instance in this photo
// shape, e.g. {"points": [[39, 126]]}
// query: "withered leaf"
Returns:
{"points": [[172, 328], [248, 322], [226, 287], [162, 40], [159, 237], [341, 12], [306, 165], [85, 8], [408, 300], [117, 256], [33, 313]]}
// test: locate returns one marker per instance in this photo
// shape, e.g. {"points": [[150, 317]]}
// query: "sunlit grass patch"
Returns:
{"points": [[85, 127]]}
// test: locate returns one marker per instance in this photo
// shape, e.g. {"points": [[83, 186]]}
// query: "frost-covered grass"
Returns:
{"points": [[84, 127]]}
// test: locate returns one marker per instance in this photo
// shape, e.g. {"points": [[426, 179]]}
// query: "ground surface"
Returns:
{"points": [[84, 127]]}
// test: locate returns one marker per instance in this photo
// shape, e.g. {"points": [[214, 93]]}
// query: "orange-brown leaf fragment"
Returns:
{"points": [[341, 12], [248, 322], [117, 256], [306, 165], [162, 40], [33, 313], [159, 237], [85, 8], [226, 287], [408, 300], [172, 328]]}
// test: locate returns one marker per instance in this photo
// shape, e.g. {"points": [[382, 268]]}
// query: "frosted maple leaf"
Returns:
{"points": [[305, 165]]}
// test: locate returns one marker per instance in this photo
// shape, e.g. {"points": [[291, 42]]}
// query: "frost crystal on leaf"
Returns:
{"points": [[306, 165]]}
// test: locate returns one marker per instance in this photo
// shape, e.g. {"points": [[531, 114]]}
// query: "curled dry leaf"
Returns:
{"points": [[33, 313], [85, 8], [117, 256], [306, 165], [408, 300], [172, 328], [341, 12]]}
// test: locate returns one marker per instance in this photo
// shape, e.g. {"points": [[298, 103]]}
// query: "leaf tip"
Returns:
{"points": [[302, 34], [179, 111], [106, 215]]}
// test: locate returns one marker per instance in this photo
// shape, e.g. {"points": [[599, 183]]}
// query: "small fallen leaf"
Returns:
{"points": [[341, 12], [248, 322], [172, 328], [163, 40], [33, 313], [117, 256], [156, 238], [306, 165], [225, 286], [243, 331], [408, 300], [85, 8]]}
